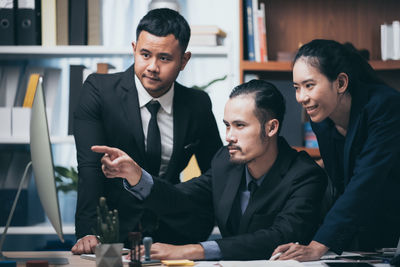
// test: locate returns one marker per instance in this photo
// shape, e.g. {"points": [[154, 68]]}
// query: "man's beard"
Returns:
{"points": [[233, 160]]}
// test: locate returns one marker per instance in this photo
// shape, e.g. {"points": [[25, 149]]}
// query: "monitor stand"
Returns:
{"points": [[55, 261]]}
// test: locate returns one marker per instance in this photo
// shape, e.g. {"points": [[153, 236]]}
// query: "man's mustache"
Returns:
{"points": [[231, 147]]}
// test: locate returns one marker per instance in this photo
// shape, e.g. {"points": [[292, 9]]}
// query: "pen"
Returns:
{"points": [[274, 257]]}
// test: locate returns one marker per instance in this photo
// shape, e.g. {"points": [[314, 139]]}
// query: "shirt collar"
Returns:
{"points": [[250, 178], [165, 100]]}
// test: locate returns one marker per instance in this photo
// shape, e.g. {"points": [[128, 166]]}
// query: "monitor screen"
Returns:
{"points": [[42, 160]]}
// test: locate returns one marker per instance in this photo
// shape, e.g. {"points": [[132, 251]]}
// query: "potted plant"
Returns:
{"points": [[67, 185], [108, 252]]}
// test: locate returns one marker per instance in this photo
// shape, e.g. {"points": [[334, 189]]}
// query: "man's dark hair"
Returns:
{"points": [[162, 22], [269, 102]]}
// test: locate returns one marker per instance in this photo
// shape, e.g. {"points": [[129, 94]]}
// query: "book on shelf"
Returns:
{"points": [[310, 139], [255, 31], [76, 79], [23, 83], [206, 35], [62, 12], [78, 22], [256, 34], [17, 88], [49, 23], [104, 68], [31, 90], [94, 22], [262, 33], [390, 41], [207, 29], [249, 29], [7, 22], [396, 39]]}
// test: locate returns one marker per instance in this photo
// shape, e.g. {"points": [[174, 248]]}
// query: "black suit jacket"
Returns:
{"points": [[109, 114], [285, 208], [367, 214]]}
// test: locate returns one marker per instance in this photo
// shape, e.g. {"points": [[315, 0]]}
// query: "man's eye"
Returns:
{"points": [[146, 55], [309, 85], [165, 58]]}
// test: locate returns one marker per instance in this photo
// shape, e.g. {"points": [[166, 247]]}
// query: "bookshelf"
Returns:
{"points": [[7, 52], [291, 23]]}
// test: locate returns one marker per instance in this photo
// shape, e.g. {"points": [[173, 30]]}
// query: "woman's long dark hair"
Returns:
{"points": [[332, 58]]}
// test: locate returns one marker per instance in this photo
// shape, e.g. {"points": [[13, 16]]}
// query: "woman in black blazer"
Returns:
{"points": [[356, 119]]}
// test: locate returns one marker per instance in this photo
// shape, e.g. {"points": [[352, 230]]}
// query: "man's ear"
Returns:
{"points": [[134, 47], [272, 127], [185, 59], [342, 82]]}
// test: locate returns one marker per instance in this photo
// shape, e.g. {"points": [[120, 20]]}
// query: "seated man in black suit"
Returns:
{"points": [[116, 110], [259, 190]]}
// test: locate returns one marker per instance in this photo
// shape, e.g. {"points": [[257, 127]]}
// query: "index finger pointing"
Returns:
{"points": [[103, 149]]}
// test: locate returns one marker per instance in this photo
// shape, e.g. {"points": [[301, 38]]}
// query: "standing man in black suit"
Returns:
{"points": [[259, 190], [143, 111]]}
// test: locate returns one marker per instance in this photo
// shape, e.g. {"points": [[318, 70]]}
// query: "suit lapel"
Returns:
{"points": [[130, 104], [230, 191], [270, 183], [181, 113], [358, 100]]}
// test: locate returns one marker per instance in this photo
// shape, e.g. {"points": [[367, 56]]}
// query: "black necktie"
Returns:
{"points": [[252, 187], [153, 152]]}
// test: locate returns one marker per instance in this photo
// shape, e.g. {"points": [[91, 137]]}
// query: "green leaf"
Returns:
{"points": [[203, 87]]}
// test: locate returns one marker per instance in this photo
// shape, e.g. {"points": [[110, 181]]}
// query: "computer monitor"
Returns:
{"points": [[42, 163]]}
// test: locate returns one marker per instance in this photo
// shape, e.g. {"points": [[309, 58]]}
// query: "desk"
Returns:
{"points": [[75, 260]]}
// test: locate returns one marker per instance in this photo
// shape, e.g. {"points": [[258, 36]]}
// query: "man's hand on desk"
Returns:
{"points": [[161, 251], [85, 245], [294, 251], [116, 163]]}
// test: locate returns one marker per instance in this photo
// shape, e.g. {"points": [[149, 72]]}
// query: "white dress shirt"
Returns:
{"points": [[165, 121]]}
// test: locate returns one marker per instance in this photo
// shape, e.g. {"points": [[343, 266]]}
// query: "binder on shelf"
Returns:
{"points": [[8, 86], [48, 19], [7, 25], [28, 22], [5, 121], [250, 30], [62, 22], [75, 88], [94, 22], [11, 77], [78, 22], [2, 88]]}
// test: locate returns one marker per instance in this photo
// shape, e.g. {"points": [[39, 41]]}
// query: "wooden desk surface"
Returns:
{"points": [[74, 260]]}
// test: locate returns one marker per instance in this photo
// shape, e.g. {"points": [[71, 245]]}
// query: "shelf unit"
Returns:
{"points": [[25, 140], [291, 23], [93, 51]]}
